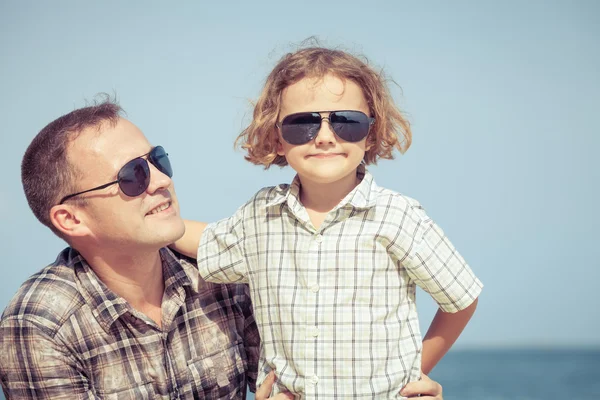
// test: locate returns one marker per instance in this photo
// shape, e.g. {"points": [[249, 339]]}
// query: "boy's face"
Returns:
{"points": [[328, 158]]}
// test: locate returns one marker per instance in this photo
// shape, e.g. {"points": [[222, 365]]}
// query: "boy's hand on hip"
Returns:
{"points": [[264, 390], [425, 389]]}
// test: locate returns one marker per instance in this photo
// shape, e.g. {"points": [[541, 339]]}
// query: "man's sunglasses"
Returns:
{"points": [[134, 177], [301, 128]]}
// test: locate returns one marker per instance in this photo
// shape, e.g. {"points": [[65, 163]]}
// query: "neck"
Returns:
{"points": [[323, 197], [138, 278]]}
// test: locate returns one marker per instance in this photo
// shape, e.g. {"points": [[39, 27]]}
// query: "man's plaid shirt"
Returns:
{"points": [[335, 306], [65, 335]]}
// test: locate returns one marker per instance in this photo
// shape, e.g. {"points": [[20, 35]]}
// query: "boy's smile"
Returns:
{"points": [[326, 155]]}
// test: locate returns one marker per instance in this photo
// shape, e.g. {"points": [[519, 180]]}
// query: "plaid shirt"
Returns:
{"points": [[335, 306], [65, 335]]}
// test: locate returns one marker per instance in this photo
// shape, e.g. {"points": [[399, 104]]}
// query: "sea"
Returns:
{"points": [[518, 374]]}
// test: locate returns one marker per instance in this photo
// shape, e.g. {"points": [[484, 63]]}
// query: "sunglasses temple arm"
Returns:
{"points": [[89, 190]]}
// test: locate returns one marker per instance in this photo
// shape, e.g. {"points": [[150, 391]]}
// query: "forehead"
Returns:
{"points": [[323, 94], [107, 147]]}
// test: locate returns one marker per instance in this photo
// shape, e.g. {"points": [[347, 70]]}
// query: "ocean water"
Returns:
{"points": [[518, 374]]}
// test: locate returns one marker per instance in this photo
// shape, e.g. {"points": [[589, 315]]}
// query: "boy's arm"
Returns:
{"points": [[434, 264], [442, 333], [188, 243]]}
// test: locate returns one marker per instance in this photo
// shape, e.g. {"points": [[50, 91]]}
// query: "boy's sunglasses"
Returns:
{"points": [[301, 128], [134, 177]]}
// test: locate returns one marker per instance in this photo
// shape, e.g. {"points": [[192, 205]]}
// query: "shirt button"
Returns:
{"points": [[314, 288], [318, 238], [313, 380], [314, 331]]}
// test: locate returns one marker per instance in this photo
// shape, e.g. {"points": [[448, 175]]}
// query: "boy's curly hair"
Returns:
{"points": [[391, 130]]}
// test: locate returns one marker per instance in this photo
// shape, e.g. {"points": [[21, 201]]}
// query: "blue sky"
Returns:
{"points": [[501, 97]]}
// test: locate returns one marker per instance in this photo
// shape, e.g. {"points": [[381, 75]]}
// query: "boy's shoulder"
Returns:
{"points": [[369, 193], [47, 298], [271, 193], [268, 196], [393, 205], [385, 196]]}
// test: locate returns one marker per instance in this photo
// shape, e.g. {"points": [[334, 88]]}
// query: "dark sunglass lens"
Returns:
{"points": [[160, 159], [352, 126], [300, 128], [134, 177]]}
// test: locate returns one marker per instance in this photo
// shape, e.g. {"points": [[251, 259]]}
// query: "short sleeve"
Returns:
{"points": [[431, 260], [221, 256]]}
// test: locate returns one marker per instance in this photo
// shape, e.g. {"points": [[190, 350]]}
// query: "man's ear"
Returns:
{"points": [[68, 220]]}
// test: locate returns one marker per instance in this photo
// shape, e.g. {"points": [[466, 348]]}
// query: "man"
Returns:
{"points": [[118, 315]]}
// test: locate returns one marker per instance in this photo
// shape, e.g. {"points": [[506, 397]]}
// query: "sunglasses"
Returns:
{"points": [[301, 128], [134, 177]]}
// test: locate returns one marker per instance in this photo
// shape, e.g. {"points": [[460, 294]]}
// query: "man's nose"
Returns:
{"points": [[158, 180]]}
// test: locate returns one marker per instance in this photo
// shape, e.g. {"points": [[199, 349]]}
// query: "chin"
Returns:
{"points": [[177, 231], [171, 233], [331, 178]]}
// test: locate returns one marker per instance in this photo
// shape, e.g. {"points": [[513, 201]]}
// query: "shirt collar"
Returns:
{"points": [[107, 306], [178, 270], [363, 196]]}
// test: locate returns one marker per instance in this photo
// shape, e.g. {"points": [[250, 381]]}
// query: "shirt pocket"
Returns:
{"points": [[142, 392], [221, 375]]}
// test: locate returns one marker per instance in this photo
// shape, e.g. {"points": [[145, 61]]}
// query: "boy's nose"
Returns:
{"points": [[326, 134]]}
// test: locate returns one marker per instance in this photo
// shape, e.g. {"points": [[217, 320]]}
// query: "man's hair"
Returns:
{"points": [[391, 130], [46, 173]]}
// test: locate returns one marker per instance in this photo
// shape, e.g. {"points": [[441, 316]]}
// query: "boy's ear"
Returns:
{"points": [[369, 143], [68, 220], [280, 151]]}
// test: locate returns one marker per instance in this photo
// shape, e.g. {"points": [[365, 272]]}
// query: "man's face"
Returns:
{"points": [[115, 220]]}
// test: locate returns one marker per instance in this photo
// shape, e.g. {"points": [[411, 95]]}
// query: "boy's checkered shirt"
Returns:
{"points": [[336, 306]]}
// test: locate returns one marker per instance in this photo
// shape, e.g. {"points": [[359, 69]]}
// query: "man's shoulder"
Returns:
{"points": [[47, 298], [224, 290]]}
